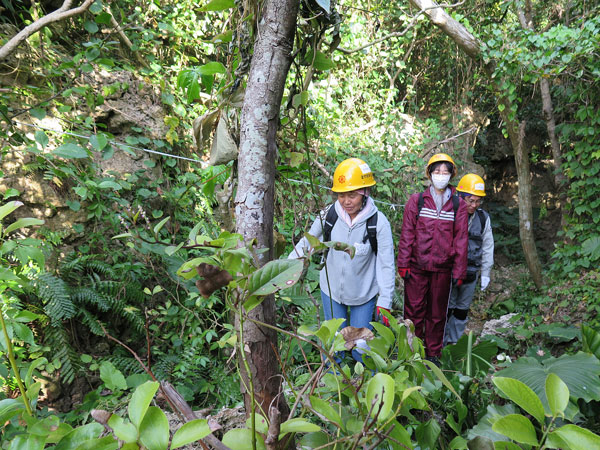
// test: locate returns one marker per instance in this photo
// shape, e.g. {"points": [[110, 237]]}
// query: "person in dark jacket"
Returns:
{"points": [[432, 253], [480, 257]]}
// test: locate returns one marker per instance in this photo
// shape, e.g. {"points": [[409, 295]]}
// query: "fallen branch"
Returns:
{"points": [[61, 13]]}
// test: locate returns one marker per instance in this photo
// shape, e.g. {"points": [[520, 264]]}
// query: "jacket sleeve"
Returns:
{"points": [[487, 257], [407, 235], [385, 270], [303, 245], [461, 242]]}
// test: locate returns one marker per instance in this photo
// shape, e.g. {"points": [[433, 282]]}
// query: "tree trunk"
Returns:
{"points": [[471, 46], [254, 201]]}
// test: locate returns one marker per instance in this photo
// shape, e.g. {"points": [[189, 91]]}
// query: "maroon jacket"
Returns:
{"points": [[437, 243]]}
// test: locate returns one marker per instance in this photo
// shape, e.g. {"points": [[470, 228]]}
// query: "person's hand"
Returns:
{"points": [[381, 318], [485, 281], [404, 273], [457, 282]]}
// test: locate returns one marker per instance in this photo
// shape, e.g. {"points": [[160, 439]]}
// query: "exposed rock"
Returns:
{"points": [[498, 327]]}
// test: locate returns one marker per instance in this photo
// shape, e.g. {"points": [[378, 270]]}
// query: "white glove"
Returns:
{"points": [[361, 249], [484, 282]]}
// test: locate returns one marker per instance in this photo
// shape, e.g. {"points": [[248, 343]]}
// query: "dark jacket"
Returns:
{"points": [[432, 242]]}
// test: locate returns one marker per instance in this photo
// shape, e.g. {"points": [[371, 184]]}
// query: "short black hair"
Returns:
{"points": [[435, 165]]}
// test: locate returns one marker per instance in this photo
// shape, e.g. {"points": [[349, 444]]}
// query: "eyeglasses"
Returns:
{"points": [[473, 201]]}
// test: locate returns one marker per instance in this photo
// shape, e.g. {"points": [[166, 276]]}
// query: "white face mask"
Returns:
{"points": [[440, 181]]}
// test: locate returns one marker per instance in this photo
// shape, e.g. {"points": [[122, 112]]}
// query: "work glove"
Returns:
{"points": [[457, 282], [404, 273], [485, 281], [381, 318]]}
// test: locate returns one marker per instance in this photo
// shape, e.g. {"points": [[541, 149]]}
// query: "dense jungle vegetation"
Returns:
{"points": [[132, 289]]}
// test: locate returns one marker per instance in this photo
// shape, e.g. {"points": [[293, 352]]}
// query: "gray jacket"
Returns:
{"points": [[355, 281]]}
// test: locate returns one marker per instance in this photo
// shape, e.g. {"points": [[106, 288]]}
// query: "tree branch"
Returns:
{"points": [[61, 13]]}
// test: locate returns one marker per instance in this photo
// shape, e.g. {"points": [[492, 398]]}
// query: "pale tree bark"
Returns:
{"points": [[526, 21], [62, 13], [254, 201], [471, 46]]}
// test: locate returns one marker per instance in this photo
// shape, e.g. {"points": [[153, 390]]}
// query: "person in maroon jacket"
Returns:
{"points": [[432, 253]]}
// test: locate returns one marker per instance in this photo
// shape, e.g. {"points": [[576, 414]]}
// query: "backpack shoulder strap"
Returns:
{"points": [[330, 220], [455, 203], [482, 219], [420, 204], [372, 232]]}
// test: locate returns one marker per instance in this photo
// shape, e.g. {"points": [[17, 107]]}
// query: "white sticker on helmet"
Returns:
{"points": [[479, 187], [365, 168]]}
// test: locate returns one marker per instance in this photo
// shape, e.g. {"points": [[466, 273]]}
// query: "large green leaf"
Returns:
{"points": [[400, 437], [591, 340], [218, 5], [325, 409], [484, 428], [522, 395], [274, 276], [557, 393], [298, 425], [112, 377], [125, 431], [9, 207], [427, 434], [79, 436], [380, 396], [24, 222], [517, 427], [190, 432], [578, 438], [140, 401], [241, 439], [8, 408], [71, 150], [154, 429], [583, 383]]}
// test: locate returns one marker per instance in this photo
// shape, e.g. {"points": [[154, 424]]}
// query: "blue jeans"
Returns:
{"points": [[360, 316]]}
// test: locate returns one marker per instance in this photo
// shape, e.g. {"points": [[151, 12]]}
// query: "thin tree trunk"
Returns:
{"points": [[254, 201], [471, 46]]}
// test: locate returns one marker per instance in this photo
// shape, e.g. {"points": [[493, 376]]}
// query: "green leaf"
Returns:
{"points": [[427, 434], [241, 439], [98, 141], [590, 340], [320, 61], [9, 207], [124, 430], [103, 18], [505, 445], [23, 223], [110, 184], [212, 68], [218, 5], [325, 409], [438, 373], [190, 432], [582, 383], [90, 26], [402, 436], [516, 427], [380, 396], [79, 436], [140, 401], [557, 393], [161, 224], [260, 423], [112, 377], [298, 425], [71, 150], [274, 276], [38, 113], [41, 138], [522, 395], [9, 407], [578, 438], [154, 429], [591, 247]]}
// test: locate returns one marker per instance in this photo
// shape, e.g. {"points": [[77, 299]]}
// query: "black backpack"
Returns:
{"points": [[455, 204], [371, 234]]}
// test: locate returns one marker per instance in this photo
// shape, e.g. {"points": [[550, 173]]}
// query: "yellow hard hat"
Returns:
{"points": [[472, 184], [352, 174], [440, 157]]}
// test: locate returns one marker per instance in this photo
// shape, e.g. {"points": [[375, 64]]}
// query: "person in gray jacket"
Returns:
{"points": [[480, 257], [353, 288]]}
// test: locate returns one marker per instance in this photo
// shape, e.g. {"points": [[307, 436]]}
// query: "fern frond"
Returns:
{"points": [[164, 366], [100, 268], [127, 365], [89, 296], [54, 294], [92, 322], [57, 338]]}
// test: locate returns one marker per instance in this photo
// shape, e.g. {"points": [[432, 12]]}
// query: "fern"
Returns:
{"points": [[55, 295], [58, 339], [92, 322], [127, 365]]}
